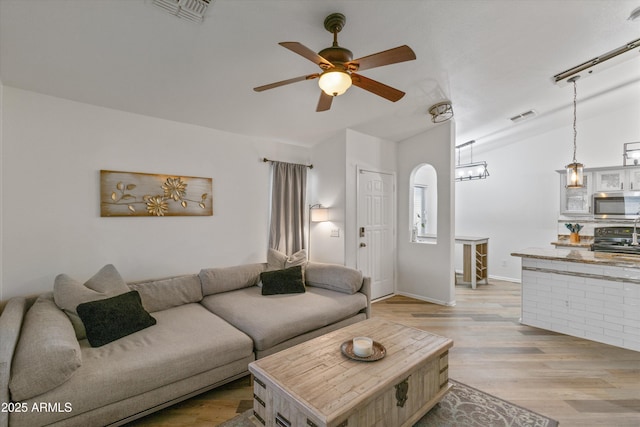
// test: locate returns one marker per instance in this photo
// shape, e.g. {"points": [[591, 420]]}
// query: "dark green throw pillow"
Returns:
{"points": [[287, 281], [109, 319]]}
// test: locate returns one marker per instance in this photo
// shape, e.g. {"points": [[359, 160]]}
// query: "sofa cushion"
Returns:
{"points": [[47, 354], [169, 292], [109, 319], [334, 277], [216, 280], [272, 319], [186, 341], [285, 281], [69, 293]]}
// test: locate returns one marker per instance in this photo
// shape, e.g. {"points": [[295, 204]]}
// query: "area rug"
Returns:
{"points": [[463, 406]]}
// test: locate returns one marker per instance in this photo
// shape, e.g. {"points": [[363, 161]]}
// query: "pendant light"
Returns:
{"points": [[575, 173], [471, 170]]}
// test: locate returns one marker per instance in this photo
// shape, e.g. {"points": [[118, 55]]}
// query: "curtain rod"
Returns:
{"points": [[265, 160]]}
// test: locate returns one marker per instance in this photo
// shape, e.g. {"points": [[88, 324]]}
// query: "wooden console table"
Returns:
{"points": [[475, 259], [314, 385]]}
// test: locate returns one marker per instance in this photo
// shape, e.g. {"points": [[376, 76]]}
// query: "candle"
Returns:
{"points": [[362, 346]]}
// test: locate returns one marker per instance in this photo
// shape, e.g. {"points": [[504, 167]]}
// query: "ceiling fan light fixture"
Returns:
{"points": [[334, 82]]}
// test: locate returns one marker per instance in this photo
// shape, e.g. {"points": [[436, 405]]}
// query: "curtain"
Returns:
{"points": [[288, 207]]}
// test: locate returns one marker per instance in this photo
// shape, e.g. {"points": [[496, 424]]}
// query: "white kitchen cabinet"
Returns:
{"points": [[610, 180], [633, 179], [575, 201], [619, 179]]}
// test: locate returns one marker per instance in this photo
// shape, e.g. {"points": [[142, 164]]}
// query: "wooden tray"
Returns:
{"points": [[378, 352]]}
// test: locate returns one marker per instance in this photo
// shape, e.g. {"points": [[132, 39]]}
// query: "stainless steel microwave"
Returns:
{"points": [[616, 205]]}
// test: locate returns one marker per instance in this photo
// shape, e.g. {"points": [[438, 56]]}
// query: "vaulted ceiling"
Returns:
{"points": [[493, 59]]}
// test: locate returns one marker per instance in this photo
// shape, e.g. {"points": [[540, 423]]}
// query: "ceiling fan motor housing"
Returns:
{"points": [[336, 55]]}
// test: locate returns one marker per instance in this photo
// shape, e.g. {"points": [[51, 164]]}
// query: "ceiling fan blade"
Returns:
{"points": [[376, 87], [302, 50], [386, 57], [286, 82], [324, 103]]}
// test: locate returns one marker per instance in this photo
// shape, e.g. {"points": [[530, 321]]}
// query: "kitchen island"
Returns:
{"points": [[586, 294]]}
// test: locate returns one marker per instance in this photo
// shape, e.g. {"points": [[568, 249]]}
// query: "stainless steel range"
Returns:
{"points": [[615, 239]]}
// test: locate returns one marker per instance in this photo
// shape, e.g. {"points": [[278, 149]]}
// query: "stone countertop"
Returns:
{"points": [[581, 256], [567, 244]]}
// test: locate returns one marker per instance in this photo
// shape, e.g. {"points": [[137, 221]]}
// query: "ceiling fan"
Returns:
{"points": [[339, 68]]}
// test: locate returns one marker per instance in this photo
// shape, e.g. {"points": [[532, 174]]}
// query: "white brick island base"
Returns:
{"points": [[583, 294]]}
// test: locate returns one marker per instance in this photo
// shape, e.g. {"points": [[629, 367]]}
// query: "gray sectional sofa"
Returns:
{"points": [[206, 329]]}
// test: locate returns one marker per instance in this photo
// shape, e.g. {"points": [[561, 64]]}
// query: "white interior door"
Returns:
{"points": [[376, 231]]}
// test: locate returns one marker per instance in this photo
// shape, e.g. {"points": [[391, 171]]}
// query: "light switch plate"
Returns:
{"points": [[335, 232]]}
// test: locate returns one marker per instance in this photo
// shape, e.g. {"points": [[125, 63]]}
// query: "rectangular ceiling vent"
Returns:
{"points": [[523, 116], [192, 10]]}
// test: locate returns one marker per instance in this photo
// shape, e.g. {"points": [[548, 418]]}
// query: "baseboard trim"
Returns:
{"points": [[505, 279], [431, 300], [382, 298]]}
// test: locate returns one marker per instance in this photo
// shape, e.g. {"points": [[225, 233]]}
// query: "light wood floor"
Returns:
{"points": [[575, 381]]}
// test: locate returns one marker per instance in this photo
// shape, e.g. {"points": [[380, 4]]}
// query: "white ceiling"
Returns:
{"points": [[492, 58]]}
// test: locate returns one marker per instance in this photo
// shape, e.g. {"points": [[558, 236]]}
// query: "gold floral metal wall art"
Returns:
{"points": [[143, 194]]}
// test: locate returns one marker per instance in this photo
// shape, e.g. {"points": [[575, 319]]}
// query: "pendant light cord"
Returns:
{"points": [[575, 129]]}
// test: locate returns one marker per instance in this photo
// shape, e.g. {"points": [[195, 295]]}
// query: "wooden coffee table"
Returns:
{"points": [[314, 385]]}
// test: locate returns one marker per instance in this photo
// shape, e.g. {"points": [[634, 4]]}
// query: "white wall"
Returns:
{"points": [[327, 187], [363, 152], [334, 184], [425, 271], [53, 150], [518, 205]]}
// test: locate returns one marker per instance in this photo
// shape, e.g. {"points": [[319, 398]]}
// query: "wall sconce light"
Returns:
{"points": [[471, 170], [319, 214], [441, 112], [631, 153]]}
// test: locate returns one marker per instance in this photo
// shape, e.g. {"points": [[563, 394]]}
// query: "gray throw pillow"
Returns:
{"points": [[68, 293], [109, 319], [47, 353]]}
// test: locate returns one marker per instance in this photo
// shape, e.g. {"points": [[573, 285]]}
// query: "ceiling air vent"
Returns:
{"points": [[523, 116], [192, 10]]}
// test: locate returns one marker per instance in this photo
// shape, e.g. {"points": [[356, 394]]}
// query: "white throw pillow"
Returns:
{"points": [[277, 260]]}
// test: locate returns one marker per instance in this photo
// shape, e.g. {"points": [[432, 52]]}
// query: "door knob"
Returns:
{"points": [[363, 245]]}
